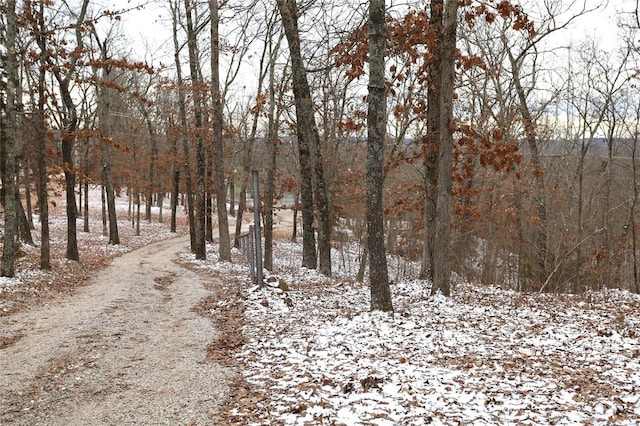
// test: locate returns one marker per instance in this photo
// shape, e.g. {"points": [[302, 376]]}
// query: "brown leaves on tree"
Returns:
{"points": [[412, 41], [490, 11], [490, 148], [353, 53]]}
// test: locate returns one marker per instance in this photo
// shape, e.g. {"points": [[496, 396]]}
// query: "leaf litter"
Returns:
{"points": [[315, 354]]}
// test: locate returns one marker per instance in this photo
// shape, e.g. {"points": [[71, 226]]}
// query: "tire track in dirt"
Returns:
{"points": [[128, 348]]}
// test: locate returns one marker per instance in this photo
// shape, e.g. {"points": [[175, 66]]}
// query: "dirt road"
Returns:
{"points": [[126, 349]]}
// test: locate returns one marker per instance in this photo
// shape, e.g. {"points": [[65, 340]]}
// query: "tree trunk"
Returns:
{"points": [[208, 235], [488, 274], [152, 162], [161, 195], [183, 122], [7, 268], [104, 105], [287, 9], [218, 141], [27, 196], [70, 122], [362, 265], [175, 186], [377, 130], [632, 217], [311, 167], [24, 230], [86, 188], [577, 286], [103, 204], [80, 193], [272, 136], [137, 206], [430, 147], [442, 237], [114, 237], [68, 136], [270, 182], [247, 150], [232, 195], [42, 181], [607, 277], [540, 231], [201, 252], [294, 231]]}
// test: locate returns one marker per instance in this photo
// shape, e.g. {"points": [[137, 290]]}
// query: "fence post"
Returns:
{"points": [[257, 227]]}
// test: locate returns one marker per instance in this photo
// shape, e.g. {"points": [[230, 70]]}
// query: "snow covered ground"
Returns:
{"points": [[93, 246], [485, 356], [482, 357]]}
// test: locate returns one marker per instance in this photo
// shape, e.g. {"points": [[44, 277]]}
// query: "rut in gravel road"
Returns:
{"points": [[126, 349]]}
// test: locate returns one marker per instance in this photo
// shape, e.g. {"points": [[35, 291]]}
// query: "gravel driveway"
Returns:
{"points": [[126, 349]]}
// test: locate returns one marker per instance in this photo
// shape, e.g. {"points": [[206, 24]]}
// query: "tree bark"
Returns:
{"points": [[152, 163], [540, 232], [442, 237], [43, 198], [376, 128], [183, 122], [431, 141], [201, 252], [311, 167], [271, 168], [175, 186], [70, 122], [287, 9], [103, 206], [104, 103], [7, 268], [69, 173], [24, 230], [85, 224], [27, 196], [632, 216], [272, 136], [218, 141]]}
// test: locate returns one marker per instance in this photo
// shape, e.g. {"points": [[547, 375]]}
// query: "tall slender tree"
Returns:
{"points": [[104, 106], [7, 268], [218, 141], [200, 248], [42, 178], [377, 130], [430, 148], [182, 111], [272, 139], [64, 77], [310, 157], [442, 237]]}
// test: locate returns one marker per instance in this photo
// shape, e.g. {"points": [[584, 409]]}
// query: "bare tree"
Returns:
{"points": [[174, 5], [70, 123], [104, 107], [311, 167], [431, 140], [9, 176], [377, 130], [218, 141], [43, 201], [438, 162], [272, 137]]}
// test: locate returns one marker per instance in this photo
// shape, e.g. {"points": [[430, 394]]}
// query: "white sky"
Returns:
{"points": [[151, 26]]}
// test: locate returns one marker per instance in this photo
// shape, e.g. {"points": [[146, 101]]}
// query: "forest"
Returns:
{"points": [[490, 139]]}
